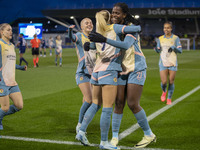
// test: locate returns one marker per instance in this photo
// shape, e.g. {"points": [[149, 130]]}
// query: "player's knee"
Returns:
{"points": [[20, 106], [5, 108], [133, 105], [171, 81], [119, 105]]}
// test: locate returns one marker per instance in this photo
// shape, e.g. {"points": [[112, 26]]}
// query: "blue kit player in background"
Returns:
{"points": [[43, 47], [8, 86], [168, 45], [22, 48], [84, 71]]}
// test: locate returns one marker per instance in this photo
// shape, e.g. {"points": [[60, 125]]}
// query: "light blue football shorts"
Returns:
{"points": [[57, 52], [7, 90], [82, 78], [172, 68], [108, 77], [138, 77]]}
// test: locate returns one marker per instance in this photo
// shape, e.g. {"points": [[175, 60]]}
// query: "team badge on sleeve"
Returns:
{"points": [[115, 79], [81, 78]]}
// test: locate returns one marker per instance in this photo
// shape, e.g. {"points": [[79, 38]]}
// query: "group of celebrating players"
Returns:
{"points": [[111, 70]]}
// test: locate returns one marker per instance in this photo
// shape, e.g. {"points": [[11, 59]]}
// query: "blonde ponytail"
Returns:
{"points": [[102, 19]]}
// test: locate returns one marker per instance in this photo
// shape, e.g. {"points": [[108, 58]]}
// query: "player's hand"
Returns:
{"points": [[86, 46], [72, 26], [96, 37], [171, 49]]}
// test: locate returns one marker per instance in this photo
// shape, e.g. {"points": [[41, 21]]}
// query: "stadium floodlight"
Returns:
{"points": [[31, 21], [72, 17], [48, 22], [137, 16]]}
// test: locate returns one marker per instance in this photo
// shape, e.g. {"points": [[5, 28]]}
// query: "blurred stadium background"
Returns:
{"points": [[52, 99], [184, 14]]}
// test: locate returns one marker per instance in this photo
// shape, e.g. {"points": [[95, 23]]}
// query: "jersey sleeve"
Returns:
{"points": [[73, 37], [123, 29], [158, 46], [126, 44], [178, 47], [92, 46]]}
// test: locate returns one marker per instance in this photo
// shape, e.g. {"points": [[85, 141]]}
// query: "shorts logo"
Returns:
{"points": [[115, 79], [139, 75], [81, 78], [1, 90]]}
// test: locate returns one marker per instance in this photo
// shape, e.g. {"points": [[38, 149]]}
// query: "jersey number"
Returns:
{"points": [[103, 47]]}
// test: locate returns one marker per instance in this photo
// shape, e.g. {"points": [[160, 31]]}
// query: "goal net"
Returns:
{"points": [[185, 42]]}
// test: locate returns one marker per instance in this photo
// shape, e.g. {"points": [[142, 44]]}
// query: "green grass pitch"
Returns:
{"points": [[52, 101]]}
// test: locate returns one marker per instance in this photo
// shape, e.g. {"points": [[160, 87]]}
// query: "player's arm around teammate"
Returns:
{"points": [[134, 67], [168, 46], [8, 85]]}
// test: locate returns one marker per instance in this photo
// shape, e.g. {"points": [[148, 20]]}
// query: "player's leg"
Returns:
{"points": [[50, 50], [37, 60], [45, 51], [41, 51], [20, 58], [134, 93], [56, 58], [87, 96], [172, 75], [164, 77], [108, 101], [5, 104], [60, 61], [118, 113], [6, 108], [34, 56], [37, 56], [89, 115]]}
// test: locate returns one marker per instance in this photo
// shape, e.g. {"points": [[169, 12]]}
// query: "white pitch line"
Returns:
{"points": [[65, 142], [157, 113]]}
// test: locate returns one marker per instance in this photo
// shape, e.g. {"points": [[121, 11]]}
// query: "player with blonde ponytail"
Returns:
{"points": [[104, 76]]}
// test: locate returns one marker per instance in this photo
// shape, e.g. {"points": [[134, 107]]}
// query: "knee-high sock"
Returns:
{"points": [[142, 121], [105, 123], [20, 61], [37, 59], [170, 91], [164, 87], [34, 61], [24, 60], [56, 60], [83, 109], [89, 115], [50, 51], [116, 122], [13, 109]]}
